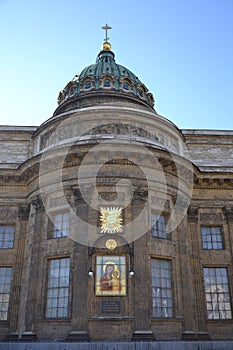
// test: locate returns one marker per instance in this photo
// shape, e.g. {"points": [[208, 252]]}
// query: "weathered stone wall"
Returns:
{"points": [[29, 194], [15, 145], [210, 150]]}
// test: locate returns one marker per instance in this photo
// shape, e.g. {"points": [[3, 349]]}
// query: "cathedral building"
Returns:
{"points": [[114, 223]]}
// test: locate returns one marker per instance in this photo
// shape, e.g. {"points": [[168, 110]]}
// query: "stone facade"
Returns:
{"points": [[116, 155]]}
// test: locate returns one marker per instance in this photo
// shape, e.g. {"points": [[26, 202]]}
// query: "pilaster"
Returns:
{"points": [[199, 293], [27, 305]]}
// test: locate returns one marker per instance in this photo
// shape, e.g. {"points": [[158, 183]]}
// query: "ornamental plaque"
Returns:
{"points": [[111, 244], [111, 306]]}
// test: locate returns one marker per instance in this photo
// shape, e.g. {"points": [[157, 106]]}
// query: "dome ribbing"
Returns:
{"points": [[106, 78]]}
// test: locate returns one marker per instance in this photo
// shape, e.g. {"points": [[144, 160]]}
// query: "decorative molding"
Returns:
{"points": [[7, 214], [119, 161], [213, 183], [140, 195], [12, 180], [211, 217], [112, 196], [122, 129]]}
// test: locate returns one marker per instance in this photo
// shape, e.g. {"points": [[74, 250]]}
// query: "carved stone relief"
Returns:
{"points": [[7, 214], [211, 217]]}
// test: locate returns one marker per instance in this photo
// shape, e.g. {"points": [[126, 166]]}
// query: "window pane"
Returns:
{"points": [[211, 238], [107, 83], [217, 293], [58, 288], [161, 288], [87, 84], [61, 224], [7, 236], [5, 285], [158, 225]]}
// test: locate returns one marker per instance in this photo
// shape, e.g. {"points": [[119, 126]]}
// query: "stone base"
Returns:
{"points": [[200, 336], [203, 336], [12, 337], [189, 335], [29, 336], [143, 336], [78, 336]]}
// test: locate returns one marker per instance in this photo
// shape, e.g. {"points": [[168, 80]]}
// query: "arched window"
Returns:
{"points": [[72, 91], [126, 85], [87, 84], [141, 92], [107, 83]]}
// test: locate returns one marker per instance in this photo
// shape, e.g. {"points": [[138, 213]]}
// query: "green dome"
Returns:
{"points": [[105, 64], [108, 77]]}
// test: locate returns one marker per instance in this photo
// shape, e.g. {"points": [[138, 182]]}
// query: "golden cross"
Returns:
{"points": [[106, 28]]}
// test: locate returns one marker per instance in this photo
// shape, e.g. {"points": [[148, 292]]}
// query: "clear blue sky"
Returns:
{"points": [[181, 49]]}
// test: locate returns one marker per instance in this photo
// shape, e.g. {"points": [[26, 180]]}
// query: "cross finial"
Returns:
{"points": [[106, 28]]}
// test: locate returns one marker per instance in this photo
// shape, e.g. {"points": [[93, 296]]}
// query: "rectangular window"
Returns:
{"points": [[61, 225], [110, 275], [7, 236], [217, 293], [158, 225], [161, 288], [5, 286], [211, 237], [58, 288]]}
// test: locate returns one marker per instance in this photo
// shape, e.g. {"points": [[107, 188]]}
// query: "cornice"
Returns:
{"points": [[213, 183]]}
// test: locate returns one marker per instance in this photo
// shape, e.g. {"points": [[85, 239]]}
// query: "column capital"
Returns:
{"points": [[193, 214], [228, 214]]}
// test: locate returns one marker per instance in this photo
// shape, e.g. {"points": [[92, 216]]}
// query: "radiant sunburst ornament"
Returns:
{"points": [[111, 220]]}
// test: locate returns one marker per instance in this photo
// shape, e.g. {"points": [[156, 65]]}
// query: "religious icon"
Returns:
{"points": [[110, 275], [111, 220]]}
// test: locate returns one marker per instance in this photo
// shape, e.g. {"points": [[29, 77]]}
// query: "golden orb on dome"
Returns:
{"points": [[106, 46]]}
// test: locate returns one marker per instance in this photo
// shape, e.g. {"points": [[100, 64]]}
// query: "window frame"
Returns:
{"points": [[54, 231], [100, 273], [161, 233], [89, 82], [171, 298], [57, 317], [211, 235], [9, 294], [105, 78], [213, 293]]}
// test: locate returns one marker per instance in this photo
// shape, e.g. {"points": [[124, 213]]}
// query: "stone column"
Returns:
{"points": [[197, 272], [186, 281], [29, 274], [23, 213], [80, 296], [142, 292], [228, 214]]}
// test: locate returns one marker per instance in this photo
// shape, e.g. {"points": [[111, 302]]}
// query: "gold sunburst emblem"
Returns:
{"points": [[111, 220], [111, 244]]}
